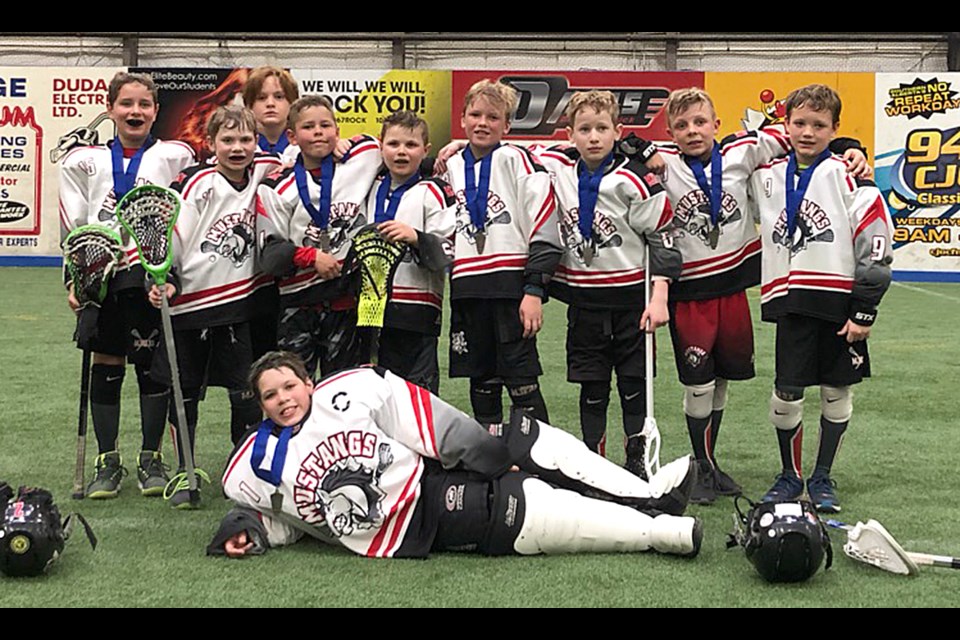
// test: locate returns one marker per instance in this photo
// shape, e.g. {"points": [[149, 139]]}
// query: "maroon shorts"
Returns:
{"points": [[713, 339]]}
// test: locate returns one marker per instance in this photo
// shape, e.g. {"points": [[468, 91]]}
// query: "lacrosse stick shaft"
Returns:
{"points": [[651, 430], [183, 429], [79, 492]]}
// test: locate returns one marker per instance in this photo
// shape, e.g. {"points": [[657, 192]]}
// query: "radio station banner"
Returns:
{"points": [[918, 169], [544, 97]]}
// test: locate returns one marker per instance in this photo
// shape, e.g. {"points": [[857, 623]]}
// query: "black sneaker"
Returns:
{"points": [[823, 494], [787, 488], [109, 476], [724, 485], [704, 492], [636, 457], [152, 475]]}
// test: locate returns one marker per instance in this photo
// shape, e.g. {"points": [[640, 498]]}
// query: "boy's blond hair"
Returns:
{"points": [[251, 91], [682, 99], [407, 120], [599, 101], [308, 102], [123, 78], [818, 97], [500, 95], [231, 117]]}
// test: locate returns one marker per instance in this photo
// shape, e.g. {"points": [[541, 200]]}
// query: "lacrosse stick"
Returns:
{"points": [[872, 544], [91, 254], [651, 432], [149, 214], [377, 260]]}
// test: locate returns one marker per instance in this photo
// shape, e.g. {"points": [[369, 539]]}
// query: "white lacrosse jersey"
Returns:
{"points": [[522, 228], [837, 265], [87, 196], [284, 224], [215, 247], [416, 299], [724, 259], [354, 473], [632, 211]]}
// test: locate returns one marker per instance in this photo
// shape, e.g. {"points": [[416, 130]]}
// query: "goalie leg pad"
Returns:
{"points": [[698, 401], [562, 522], [786, 415], [836, 404]]}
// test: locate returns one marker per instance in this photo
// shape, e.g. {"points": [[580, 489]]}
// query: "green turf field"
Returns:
{"points": [[898, 466]]}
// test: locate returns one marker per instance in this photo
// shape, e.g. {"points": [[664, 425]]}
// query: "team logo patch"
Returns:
{"points": [[605, 235], [696, 357], [148, 343], [813, 225], [693, 217], [454, 499], [345, 221], [856, 359], [231, 237], [458, 344], [341, 402]]}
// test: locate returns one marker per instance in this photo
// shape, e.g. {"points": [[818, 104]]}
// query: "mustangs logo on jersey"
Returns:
{"points": [[813, 225], [339, 483], [497, 214], [605, 235], [231, 237], [345, 221], [692, 216]]}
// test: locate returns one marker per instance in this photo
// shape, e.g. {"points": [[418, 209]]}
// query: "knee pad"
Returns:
{"points": [[595, 397], [486, 397], [106, 384], [699, 401], [720, 395], [786, 415], [148, 387], [836, 404], [633, 395]]}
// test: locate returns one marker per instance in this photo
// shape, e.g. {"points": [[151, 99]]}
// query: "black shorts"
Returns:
{"points": [[599, 342], [713, 339], [128, 326], [213, 357], [264, 327], [486, 342], [326, 340], [810, 353], [412, 356]]}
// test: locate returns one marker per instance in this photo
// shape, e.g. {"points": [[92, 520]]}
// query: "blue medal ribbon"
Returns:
{"points": [[389, 203], [714, 192], [478, 195], [589, 194], [124, 181], [321, 216], [275, 475], [278, 148], [797, 192]]}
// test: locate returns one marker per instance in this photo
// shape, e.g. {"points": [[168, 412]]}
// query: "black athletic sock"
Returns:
{"points": [[191, 407], [154, 408], [487, 401], [594, 402], [106, 387], [791, 450], [633, 401], [529, 398], [700, 434], [831, 437], [245, 414], [714, 436]]}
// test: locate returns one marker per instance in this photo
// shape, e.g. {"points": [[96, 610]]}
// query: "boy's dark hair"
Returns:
{"points": [[407, 120], [273, 361], [123, 78], [231, 117], [251, 91], [818, 97], [308, 102]]}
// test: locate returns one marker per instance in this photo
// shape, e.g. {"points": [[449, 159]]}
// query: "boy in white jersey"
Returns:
{"points": [[420, 213], [92, 181], [612, 212], [217, 286], [827, 255], [507, 249], [309, 214]]}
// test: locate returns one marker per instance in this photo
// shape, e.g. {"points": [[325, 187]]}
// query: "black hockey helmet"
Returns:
{"points": [[31, 537], [786, 541]]}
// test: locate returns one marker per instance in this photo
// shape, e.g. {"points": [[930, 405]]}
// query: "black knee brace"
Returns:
{"points": [[486, 397]]}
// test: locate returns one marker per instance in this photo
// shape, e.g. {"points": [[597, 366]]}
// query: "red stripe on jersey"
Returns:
{"points": [[400, 523], [286, 184], [546, 210], [755, 245], [376, 547], [436, 194], [363, 148], [526, 161], [460, 269], [807, 280], [268, 160], [594, 278], [851, 183], [560, 157], [247, 286], [236, 459], [669, 151], [636, 181], [184, 145], [417, 296], [667, 216], [191, 297], [424, 414], [724, 262], [261, 210], [415, 405], [743, 142], [876, 212], [64, 218], [337, 378], [193, 181], [428, 414]]}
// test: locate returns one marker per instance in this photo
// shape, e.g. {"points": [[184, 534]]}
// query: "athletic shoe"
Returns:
{"points": [[822, 494], [704, 492], [675, 501], [697, 539], [152, 474], [787, 488], [177, 491], [109, 475], [636, 457], [724, 485]]}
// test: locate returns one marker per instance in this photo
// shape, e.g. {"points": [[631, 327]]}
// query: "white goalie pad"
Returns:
{"points": [[872, 544]]}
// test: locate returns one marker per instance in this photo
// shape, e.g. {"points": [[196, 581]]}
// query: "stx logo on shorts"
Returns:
{"points": [[544, 100]]}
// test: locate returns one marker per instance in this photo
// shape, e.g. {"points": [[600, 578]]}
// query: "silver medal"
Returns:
{"points": [[481, 238]]}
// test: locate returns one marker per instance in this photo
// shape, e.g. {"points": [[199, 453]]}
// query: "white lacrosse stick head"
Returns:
{"points": [[871, 544], [651, 455]]}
